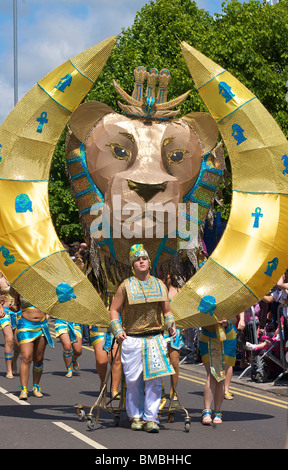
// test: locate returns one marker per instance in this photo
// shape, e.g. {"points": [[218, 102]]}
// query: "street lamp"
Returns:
{"points": [[15, 53]]}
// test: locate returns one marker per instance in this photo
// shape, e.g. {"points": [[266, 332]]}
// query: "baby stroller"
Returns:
{"points": [[268, 363], [273, 362]]}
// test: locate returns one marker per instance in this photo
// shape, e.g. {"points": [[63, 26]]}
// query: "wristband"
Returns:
{"points": [[168, 321], [116, 327]]}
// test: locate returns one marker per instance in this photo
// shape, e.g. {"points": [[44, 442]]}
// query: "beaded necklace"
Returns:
{"points": [[142, 288]]}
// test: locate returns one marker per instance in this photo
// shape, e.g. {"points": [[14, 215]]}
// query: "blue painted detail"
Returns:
{"points": [[161, 95], [87, 174], [285, 161], [84, 192], [64, 82], [257, 214], [215, 171], [207, 304], [52, 98], [218, 74], [0, 152], [81, 73], [200, 202], [203, 168], [42, 120], [138, 92], [149, 105], [271, 266], [236, 109], [73, 160], [86, 211], [238, 134], [206, 185], [23, 203], [225, 91], [65, 292], [9, 259], [78, 175]]}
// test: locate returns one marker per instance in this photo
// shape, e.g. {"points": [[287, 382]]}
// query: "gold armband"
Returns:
{"points": [[116, 327], [168, 321]]}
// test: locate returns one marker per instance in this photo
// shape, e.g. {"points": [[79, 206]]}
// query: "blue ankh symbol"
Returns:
{"points": [[42, 120], [257, 214]]}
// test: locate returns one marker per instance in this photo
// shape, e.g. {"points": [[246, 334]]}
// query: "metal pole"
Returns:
{"points": [[15, 53]]}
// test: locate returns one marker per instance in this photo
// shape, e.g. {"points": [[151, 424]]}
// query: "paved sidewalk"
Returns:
{"points": [[280, 388]]}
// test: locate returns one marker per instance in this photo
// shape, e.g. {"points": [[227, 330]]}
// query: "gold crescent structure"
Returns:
{"points": [[252, 253], [32, 257]]}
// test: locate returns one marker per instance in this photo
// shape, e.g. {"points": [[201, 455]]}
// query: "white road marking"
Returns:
{"points": [[61, 425], [80, 436], [13, 397]]}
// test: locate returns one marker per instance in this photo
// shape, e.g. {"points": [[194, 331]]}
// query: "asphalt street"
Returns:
{"points": [[255, 419]]}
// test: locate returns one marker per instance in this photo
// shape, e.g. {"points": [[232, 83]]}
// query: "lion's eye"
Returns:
{"points": [[176, 156], [119, 152]]}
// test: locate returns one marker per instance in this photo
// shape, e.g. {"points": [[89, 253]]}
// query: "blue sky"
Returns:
{"points": [[50, 32]]}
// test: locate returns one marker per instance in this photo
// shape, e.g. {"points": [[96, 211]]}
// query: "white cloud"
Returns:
{"points": [[51, 32]]}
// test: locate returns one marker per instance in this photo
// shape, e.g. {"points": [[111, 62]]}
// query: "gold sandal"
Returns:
{"points": [[24, 393], [207, 416], [217, 417]]}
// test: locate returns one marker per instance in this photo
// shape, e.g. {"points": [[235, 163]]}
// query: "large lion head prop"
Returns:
{"points": [[137, 175]]}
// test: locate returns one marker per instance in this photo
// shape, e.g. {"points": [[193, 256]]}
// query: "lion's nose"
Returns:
{"points": [[146, 191]]}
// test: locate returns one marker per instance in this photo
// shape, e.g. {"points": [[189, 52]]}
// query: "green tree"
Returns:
{"points": [[249, 39], [63, 207]]}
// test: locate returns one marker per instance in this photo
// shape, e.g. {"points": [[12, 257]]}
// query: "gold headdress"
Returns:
{"points": [[137, 251], [150, 106]]}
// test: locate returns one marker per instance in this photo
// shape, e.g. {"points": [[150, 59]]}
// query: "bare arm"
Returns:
{"points": [[241, 323], [268, 298], [281, 284]]}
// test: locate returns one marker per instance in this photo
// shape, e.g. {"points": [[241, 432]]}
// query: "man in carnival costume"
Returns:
{"points": [[141, 299]]}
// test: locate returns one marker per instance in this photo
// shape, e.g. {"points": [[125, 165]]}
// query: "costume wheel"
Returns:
{"points": [[261, 377], [91, 422], [187, 425], [116, 420], [259, 371], [80, 414]]}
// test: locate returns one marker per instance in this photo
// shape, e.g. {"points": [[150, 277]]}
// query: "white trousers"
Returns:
{"points": [[139, 404]]}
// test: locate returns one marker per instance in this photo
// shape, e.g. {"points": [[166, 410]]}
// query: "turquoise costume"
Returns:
{"points": [[28, 331], [97, 336], [8, 319], [73, 329], [217, 352], [178, 342]]}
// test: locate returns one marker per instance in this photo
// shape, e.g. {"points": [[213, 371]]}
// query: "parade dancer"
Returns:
{"points": [[217, 344], [102, 343], [70, 335], [8, 326], [32, 335]]}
